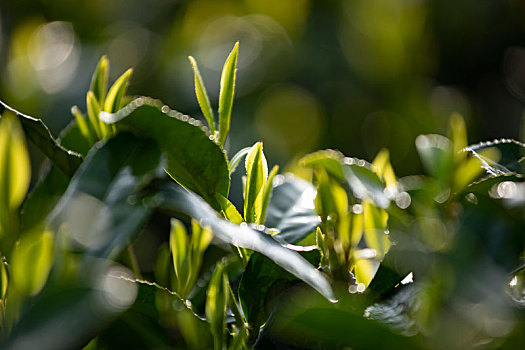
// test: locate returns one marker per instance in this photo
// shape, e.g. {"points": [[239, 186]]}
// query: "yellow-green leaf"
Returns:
{"points": [[31, 263], [85, 128], [227, 90], [99, 80], [383, 168], [331, 199], [117, 92], [267, 194], [458, 133], [15, 168], [179, 251], [228, 209], [4, 280], [375, 220], [202, 96], [328, 160], [216, 302], [364, 271], [256, 175], [93, 109]]}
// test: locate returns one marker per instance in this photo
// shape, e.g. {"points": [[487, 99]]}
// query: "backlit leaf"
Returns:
{"points": [[256, 175], [236, 159], [229, 210], [202, 96], [32, 260], [216, 303], [99, 80], [117, 91], [268, 189], [227, 90], [15, 169]]}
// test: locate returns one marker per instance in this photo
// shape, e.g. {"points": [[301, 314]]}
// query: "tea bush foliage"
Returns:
{"points": [[351, 256]]}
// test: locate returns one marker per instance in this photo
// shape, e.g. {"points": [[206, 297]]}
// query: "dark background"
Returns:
{"points": [[351, 75]]}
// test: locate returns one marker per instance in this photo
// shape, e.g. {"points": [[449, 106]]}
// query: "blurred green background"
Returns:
{"points": [[354, 75]]}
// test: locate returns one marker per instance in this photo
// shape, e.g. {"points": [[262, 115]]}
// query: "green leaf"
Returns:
{"points": [[307, 321], [103, 207], [268, 188], [180, 253], [364, 182], [71, 137], [32, 260], [52, 183], [262, 281], [375, 224], [67, 313], [229, 210], [329, 160], [505, 156], [38, 133], [436, 153], [256, 175], [4, 280], [458, 133], [200, 240], [42, 199], [117, 92], [358, 173], [382, 167], [216, 303], [93, 110], [193, 160], [226, 93], [331, 200], [234, 162], [202, 96], [291, 208], [177, 201], [86, 131], [99, 80], [15, 173]]}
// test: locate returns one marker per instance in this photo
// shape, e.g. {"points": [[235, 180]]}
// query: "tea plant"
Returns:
{"points": [[358, 257]]}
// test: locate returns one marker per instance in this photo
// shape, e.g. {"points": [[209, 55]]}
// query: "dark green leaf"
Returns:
{"points": [[194, 161], [511, 156], [305, 321], [291, 209], [43, 198], [66, 315], [262, 281], [102, 205], [38, 133]]}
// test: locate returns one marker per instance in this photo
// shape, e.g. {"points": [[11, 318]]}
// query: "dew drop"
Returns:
{"points": [[357, 209], [403, 200]]}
